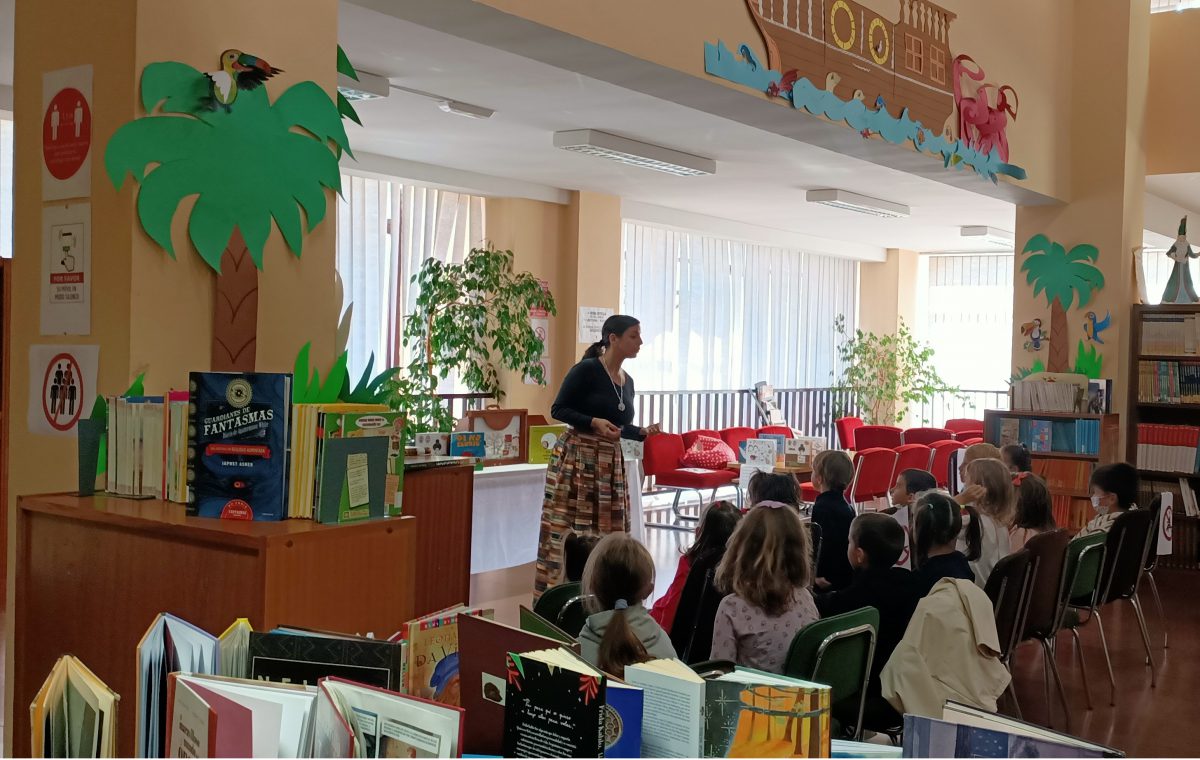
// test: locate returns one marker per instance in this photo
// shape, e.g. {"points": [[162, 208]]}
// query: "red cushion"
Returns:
{"points": [[708, 453], [696, 477]]}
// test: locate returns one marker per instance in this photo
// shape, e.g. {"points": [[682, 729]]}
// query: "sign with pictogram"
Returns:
{"points": [[66, 286], [67, 133], [62, 387]]}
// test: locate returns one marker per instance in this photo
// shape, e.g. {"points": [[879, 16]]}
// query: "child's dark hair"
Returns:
{"points": [[712, 534], [880, 537], [768, 486], [1035, 510], [918, 481], [619, 574], [577, 547], [1119, 479], [834, 468], [937, 521], [1017, 456]]}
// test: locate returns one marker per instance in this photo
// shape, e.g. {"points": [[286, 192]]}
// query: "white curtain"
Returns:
{"points": [[385, 231], [6, 187], [723, 314]]}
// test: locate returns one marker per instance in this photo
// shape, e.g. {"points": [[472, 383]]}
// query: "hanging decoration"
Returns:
{"points": [[1066, 279], [1093, 326], [1179, 286], [1035, 336]]}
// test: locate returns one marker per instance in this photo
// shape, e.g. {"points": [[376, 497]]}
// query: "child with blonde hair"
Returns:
{"points": [[990, 490]]}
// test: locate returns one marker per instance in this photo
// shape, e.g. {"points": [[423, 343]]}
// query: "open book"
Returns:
{"points": [[965, 731], [554, 706], [211, 716], [170, 645], [74, 714], [353, 720]]}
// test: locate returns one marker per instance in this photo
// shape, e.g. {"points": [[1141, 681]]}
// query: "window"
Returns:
{"points": [[914, 54], [385, 230], [6, 187], [723, 314], [937, 64]]}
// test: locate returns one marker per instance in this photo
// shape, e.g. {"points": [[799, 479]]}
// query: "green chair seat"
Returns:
{"points": [[837, 651]]}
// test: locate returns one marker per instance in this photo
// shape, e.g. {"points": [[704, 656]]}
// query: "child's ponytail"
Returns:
{"points": [[620, 646], [973, 533], [619, 573]]}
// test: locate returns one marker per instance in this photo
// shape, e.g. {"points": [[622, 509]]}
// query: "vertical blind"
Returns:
{"points": [[6, 187], [968, 318], [723, 314]]}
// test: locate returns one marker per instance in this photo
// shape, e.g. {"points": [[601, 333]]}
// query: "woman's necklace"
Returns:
{"points": [[616, 389]]}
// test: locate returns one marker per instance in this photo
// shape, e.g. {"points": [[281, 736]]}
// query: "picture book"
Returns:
{"points": [[353, 479], [234, 648], [356, 720], [542, 440], [1010, 431], [469, 445], [310, 425], [761, 452], [433, 667], [383, 424], [432, 444], [535, 623], [631, 449], [170, 645], [74, 714], [305, 657], [209, 716], [238, 445], [554, 706], [483, 647], [624, 706], [1040, 435], [780, 442], [800, 451], [966, 731]]}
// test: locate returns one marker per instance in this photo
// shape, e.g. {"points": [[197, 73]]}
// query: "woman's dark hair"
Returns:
{"points": [[769, 486], [577, 547], [716, 526], [1119, 479], [619, 570], [1035, 511], [937, 521], [617, 324], [918, 481], [1017, 456]]}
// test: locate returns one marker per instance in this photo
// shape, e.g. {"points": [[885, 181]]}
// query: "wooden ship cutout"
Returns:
{"points": [[858, 54]]}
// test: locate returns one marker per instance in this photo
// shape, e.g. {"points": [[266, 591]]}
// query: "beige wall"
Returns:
{"points": [[1024, 43], [887, 292], [1172, 108]]}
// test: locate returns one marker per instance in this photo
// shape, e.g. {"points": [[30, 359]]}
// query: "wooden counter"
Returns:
{"points": [[441, 499], [91, 574]]}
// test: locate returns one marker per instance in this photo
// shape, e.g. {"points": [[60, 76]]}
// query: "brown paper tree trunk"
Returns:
{"points": [[1060, 346], [235, 316]]}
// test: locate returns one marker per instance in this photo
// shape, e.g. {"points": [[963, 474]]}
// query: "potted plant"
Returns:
{"points": [[471, 319]]}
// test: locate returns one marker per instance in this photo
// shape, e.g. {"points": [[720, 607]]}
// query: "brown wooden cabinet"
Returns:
{"points": [[441, 500]]}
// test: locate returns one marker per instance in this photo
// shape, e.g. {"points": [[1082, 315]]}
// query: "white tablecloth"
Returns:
{"points": [[507, 513]]}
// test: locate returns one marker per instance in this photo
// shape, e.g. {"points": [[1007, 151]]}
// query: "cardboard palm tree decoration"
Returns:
{"points": [[249, 163], [1067, 278]]}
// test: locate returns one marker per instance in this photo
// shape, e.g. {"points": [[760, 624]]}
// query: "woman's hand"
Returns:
{"points": [[654, 429], [605, 429], [971, 494]]}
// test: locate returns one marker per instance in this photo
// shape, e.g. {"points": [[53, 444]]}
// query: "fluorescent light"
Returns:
{"points": [[368, 86], [593, 142], [465, 109], [863, 204], [989, 235]]}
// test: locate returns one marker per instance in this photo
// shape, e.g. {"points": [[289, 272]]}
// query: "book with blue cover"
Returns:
{"points": [[966, 731], [238, 457]]}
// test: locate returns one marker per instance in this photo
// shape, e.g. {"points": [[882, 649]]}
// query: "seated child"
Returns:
{"points": [[937, 522], [772, 487], [832, 472], [620, 573], [1035, 511], [973, 452], [766, 571], [577, 547], [1016, 457], [990, 490], [712, 534], [1114, 489], [909, 485]]}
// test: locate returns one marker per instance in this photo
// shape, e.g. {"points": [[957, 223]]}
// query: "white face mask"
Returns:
{"points": [[1096, 505]]}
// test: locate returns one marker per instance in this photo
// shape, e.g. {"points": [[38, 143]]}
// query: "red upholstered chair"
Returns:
{"points": [[734, 436], [941, 460], [846, 426], [876, 437], [873, 470], [971, 441], [913, 456], [661, 460], [776, 430], [971, 428], [690, 437], [926, 435]]}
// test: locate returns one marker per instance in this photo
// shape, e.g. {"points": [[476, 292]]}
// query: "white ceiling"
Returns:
{"points": [[1180, 189], [761, 177]]}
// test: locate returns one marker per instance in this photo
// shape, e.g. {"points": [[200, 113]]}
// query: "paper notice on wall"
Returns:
{"points": [[541, 328], [62, 387], [66, 279], [67, 133], [1166, 523], [591, 321]]}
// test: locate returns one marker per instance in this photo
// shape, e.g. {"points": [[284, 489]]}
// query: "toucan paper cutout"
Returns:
{"points": [[242, 158]]}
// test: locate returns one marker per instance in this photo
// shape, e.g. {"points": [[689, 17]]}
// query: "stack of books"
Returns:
{"points": [[147, 446], [1168, 448], [1170, 334], [1167, 382], [1081, 436], [1044, 396]]}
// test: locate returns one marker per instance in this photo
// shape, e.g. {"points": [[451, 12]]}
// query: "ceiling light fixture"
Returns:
{"points": [[989, 235], [368, 86], [862, 204], [593, 142], [465, 109]]}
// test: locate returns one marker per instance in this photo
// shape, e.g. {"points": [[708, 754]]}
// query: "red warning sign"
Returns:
{"points": [[66, 133], [62, 392]]}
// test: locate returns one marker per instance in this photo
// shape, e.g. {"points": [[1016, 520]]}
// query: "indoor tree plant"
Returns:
{"points": [[471, 319], [886, 373]]}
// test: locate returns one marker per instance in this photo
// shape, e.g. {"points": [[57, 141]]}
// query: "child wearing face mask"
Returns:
{"points": [[1114, 488]]}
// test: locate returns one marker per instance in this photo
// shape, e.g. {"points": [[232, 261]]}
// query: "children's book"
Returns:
{"points": [[760, 452], [74, 714], [542, 440], [234, 646], [554, 706], [535, 623], [305, 657], [1010, 431], [385, 424], [170, 645], [800, 451], [208, 716], [238, 445], [432, 444], [356, 720], [433, 667], [780, 442], [1040, 435], [469, 444], [968, 732], [632, 449], [353, 479], [624, 707]]}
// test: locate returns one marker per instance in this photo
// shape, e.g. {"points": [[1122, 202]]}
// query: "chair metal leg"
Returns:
{"points": [[1137, 607], [1112, 681], [1087, 690], [1046, 682], [1162, 619], [1062, 693]]}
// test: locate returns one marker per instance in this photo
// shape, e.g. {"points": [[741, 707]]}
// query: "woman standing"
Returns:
{"points": [[586, 490]]}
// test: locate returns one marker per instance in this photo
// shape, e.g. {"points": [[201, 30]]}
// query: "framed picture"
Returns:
{"points": [[505, 434]]}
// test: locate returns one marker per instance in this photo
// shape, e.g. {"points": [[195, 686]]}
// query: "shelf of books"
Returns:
{"points": [[1163, 434], [1065, 448]]}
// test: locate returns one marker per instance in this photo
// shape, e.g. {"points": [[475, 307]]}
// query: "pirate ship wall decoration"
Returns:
{"points": [[899, 80]]}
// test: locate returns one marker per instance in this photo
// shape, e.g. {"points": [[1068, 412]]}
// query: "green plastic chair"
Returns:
{"points": [[574, 614], [1084, 570], [837, 651], [550, 604]]}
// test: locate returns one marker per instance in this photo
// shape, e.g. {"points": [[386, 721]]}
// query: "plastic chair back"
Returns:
{"points": [[776, 430], [690, 437], [734, 436], [913, 456], [1126, 547], [1049, 554], [941, 460], [816, 536], [876, 437], [846, 427], [873, 470], [661, 453], [692, 630], [972, 428], [1085, 563], [1009, 589], [926, 435], [837, 651], [574, 615], [1155, 527], [553, 599]]}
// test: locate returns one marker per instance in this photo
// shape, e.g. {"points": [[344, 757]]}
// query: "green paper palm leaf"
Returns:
{"points": [[1067, 276], [248, 166]]}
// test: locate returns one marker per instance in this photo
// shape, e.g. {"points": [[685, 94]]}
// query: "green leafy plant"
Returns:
{"points": [[1024, 372], [1088, 361], [307, 387], [370, 389], [1066, 278], [887, 373], [471, 319]]}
